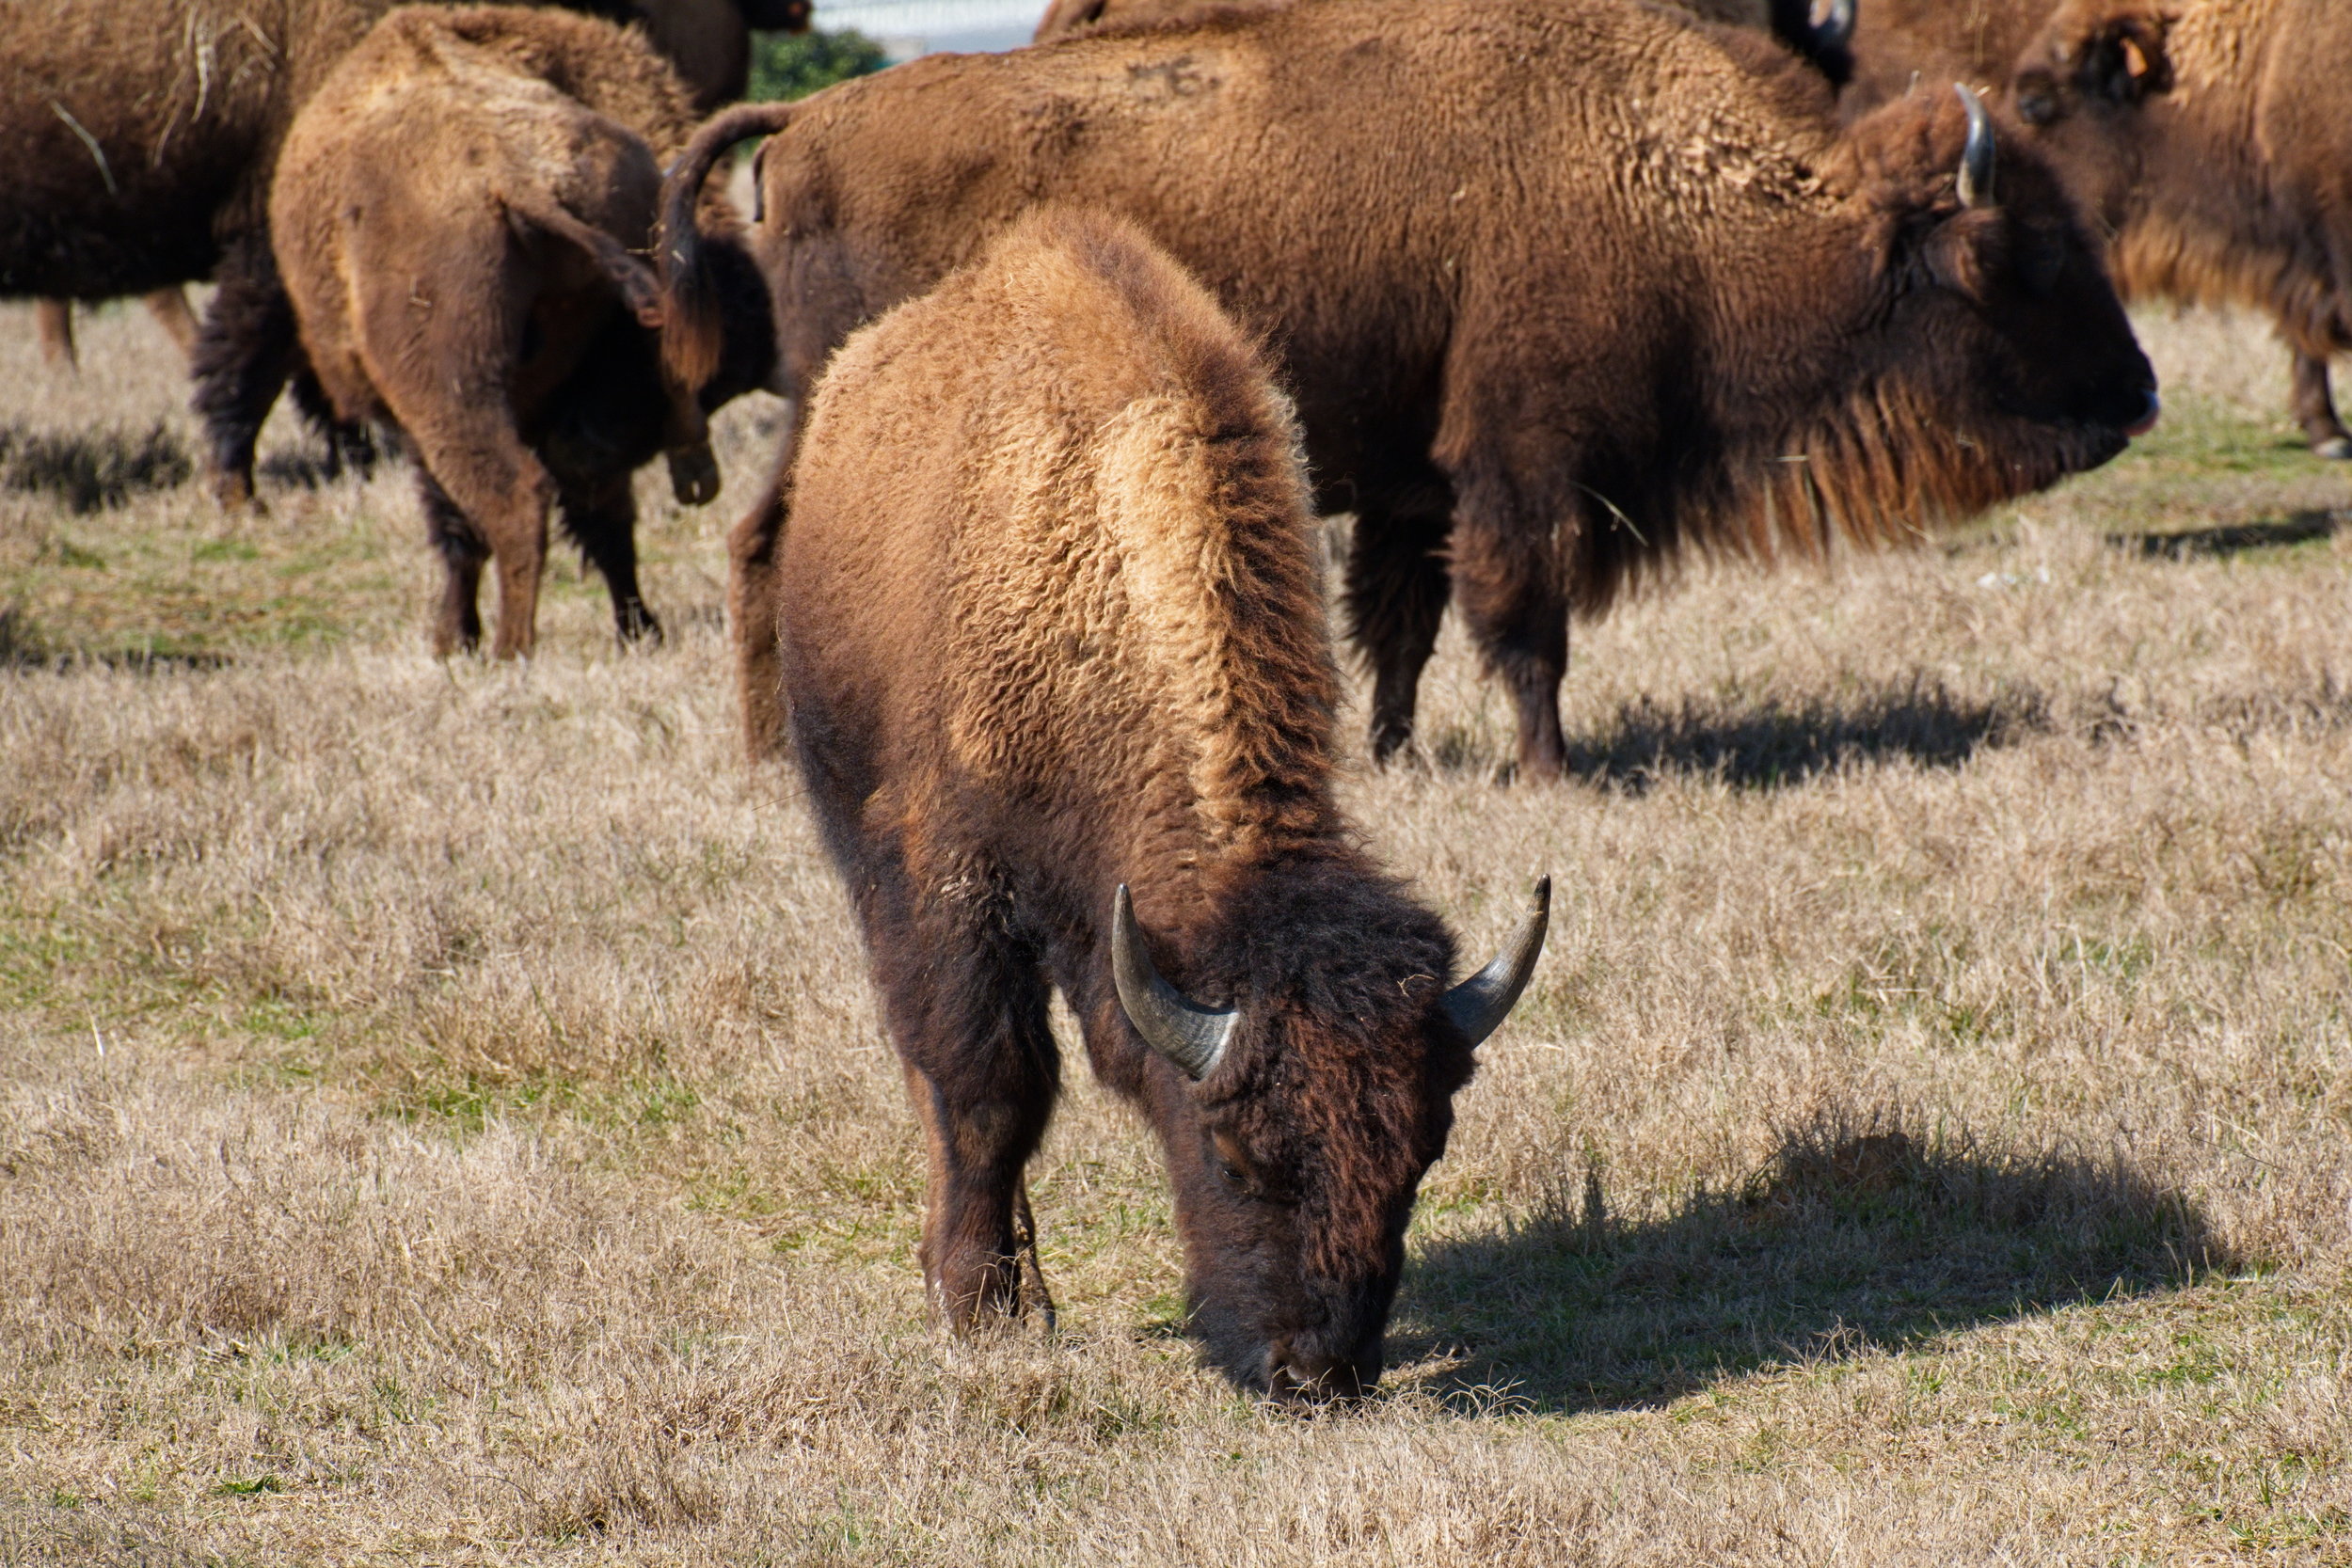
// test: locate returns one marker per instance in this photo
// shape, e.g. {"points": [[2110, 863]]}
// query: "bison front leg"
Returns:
{"points": [[981, 1066], [2315, 408], [243, 351], [504, 495], [1397, 586]]}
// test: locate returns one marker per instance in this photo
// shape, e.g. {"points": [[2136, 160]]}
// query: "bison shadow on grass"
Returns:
{"points": [[1771, 743], [2297, 528], [1853, 1237]]}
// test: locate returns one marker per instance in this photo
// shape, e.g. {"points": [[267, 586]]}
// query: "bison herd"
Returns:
{"points": [[1078, 341]]}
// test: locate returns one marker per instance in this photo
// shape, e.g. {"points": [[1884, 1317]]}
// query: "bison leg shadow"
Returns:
{"points": [[1774, 744], [2297, 528], [1855, 1236]]}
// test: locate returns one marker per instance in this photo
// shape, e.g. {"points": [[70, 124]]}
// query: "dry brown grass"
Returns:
{"points": [[445, 1118]]}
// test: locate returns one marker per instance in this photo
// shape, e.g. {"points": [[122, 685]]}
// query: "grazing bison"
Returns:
{"points": [[1053, 632], [2214, 139], [141, 135], [1899, 42], [1563, 289], [454, 212]]}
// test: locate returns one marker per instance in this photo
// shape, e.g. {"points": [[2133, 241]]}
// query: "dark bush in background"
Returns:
{"points": [[785, 66]]}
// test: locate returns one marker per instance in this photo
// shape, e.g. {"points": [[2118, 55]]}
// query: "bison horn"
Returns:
{"points": [[1191, 1035], [1479, 1005], [1835, 28], [1975, 183]]}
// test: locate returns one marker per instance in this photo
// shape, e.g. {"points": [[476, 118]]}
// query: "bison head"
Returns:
{"points": [[2082, 85], [1300, 1117], [1994, 318]]}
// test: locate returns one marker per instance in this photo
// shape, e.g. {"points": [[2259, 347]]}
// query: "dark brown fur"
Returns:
{"points": [[1053, 623], [1564, 288], [1900, 41], [456, 211], [141, 136]]}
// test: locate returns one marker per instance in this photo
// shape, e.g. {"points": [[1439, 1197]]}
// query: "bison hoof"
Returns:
{"points": [[694, 476], [232, 491], [2336, 446]]}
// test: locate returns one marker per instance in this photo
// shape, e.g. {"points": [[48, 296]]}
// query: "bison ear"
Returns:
{"points": [[2121, 61], [1965, 253]]}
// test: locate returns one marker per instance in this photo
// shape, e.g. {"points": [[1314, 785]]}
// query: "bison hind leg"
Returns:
{"points": [[1397, 587], [457, 626], [601, 516], [348, 441]]}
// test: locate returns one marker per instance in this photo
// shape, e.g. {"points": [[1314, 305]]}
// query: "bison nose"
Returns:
{"points": [[2147, 420], [1295, 1376]]}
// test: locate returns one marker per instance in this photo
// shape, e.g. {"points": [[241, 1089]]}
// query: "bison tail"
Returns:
{"points": [[640, 289], [692, 322]]}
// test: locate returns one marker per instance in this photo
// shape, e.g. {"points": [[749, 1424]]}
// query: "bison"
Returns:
{"points": [[2213, 138], [454, 212], [1563, 289], [1062, 693], [1900, 42], [141, 135]]}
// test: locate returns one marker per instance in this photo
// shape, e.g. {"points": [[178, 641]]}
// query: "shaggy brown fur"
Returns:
{"points": [[1566, 288], [454, 212], [141, 135], [1790, 21], [1898, 42], [1053, 623]]}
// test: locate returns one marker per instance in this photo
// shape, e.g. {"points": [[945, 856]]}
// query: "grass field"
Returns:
{"points": [[445, 1120]]}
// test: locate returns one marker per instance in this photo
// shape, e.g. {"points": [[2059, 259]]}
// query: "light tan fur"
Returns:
{"points": [[1104, 546]]}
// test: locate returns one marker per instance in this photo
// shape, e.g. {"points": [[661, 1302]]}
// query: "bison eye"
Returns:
{"points": [[2037, 98], [1234, 1175]]}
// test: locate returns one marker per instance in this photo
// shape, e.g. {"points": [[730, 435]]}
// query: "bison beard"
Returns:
{"points": [[1566, 289], [1053, 632]]}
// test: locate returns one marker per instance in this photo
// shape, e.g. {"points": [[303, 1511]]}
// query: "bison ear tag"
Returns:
{"points": [[2134, 59]]}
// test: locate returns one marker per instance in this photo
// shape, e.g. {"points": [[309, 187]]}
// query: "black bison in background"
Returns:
{"points": [[1563, 289], [454, 214], [1052, 630], [141, 134]]}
